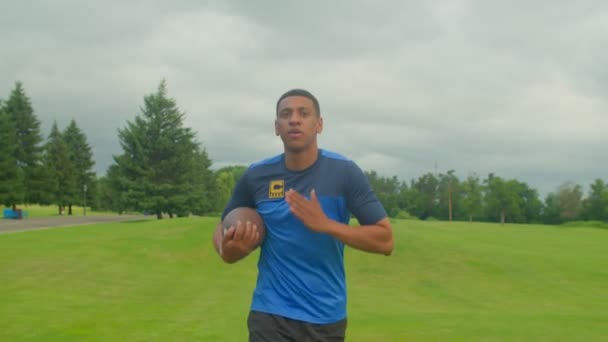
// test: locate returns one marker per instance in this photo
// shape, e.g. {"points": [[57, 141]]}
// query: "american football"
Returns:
{"points": [[245, 214]]}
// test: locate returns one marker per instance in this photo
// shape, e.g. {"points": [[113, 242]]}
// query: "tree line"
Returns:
{"points": [[164, 170], [444, 196], [38, 171]]}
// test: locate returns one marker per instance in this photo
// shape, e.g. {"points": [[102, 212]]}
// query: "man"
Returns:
{"points": [[305, 196]]}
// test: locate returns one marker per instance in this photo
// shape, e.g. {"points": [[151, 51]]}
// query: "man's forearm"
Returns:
{"points": [[377, 238], [232, 256]]}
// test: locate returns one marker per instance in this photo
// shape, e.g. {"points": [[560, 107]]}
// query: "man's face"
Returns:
{"points": [[298, 123]]}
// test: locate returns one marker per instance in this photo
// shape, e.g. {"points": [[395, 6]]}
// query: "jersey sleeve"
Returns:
{"points": [[241, 196], [361, 199]]}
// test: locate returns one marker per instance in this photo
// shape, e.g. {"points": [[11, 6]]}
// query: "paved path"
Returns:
{"points": [[10, 226]]}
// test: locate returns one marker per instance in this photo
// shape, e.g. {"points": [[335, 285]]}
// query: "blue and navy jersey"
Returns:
{"points": [[301, 272]]}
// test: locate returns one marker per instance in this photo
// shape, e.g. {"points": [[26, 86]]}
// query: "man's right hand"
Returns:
{"points": [[239, 241]]}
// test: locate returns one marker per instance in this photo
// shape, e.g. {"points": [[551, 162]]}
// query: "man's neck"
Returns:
{"points": [[298, 161]]}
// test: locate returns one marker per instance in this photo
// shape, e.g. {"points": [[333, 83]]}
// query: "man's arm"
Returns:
{"points": [[376, 238], [237, 242]]}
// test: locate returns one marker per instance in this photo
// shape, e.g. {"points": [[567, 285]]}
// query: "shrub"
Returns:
{"points": [[404, 215]]}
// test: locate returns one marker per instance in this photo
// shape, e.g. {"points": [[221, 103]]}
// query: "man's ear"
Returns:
{"points": [[276, 127], [320, 125]]}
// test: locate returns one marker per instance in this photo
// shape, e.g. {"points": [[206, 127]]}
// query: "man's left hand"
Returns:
{"points": [[308, 211]]}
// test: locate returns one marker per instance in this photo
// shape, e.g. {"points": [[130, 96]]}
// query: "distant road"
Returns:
{"points": [[11, 226]]}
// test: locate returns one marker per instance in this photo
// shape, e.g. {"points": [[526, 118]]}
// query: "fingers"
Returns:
{"points": [[232, 233], [300, 205], [313, 195], [294, 196], [253, 236], [242, 232], [228, 236], [248, 231], [295, 208], [295, 200], [229, 233]]}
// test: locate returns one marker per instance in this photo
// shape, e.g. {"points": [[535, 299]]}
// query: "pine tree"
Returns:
{"points": [[28, 153], [11, 179], [62, 173], [82, 160], [112, 190], [163, 168]]}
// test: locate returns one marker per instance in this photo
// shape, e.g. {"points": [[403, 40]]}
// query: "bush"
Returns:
{"points": [[393, 212], [404, 215]]}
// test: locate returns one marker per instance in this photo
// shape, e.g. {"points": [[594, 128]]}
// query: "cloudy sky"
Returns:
{"points": [[518, 88]]}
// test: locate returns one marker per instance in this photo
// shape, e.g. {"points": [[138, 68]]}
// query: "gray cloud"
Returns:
{"points": [[515, 88]]}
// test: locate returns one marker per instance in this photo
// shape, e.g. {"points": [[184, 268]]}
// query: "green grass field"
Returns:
{"points": [[161, 281]]}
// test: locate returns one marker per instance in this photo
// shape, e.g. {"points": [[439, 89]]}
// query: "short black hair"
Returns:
{"points": [[300, 92]]}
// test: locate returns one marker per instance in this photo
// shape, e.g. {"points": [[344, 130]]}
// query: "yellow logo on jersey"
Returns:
{"points": [[276, 189]]}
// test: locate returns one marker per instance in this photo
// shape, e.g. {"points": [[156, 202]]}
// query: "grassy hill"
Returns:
{"points": [[161, 281]]}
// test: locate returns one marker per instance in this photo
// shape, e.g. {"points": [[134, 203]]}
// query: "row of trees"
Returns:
{"points": [[35, 171], [163, 169], [493, 199]]}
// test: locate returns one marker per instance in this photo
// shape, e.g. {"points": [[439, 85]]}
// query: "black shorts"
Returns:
{"points": [[265, 327]]}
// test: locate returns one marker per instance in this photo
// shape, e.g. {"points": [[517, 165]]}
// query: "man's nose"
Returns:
{"points": [[295, 118]]}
